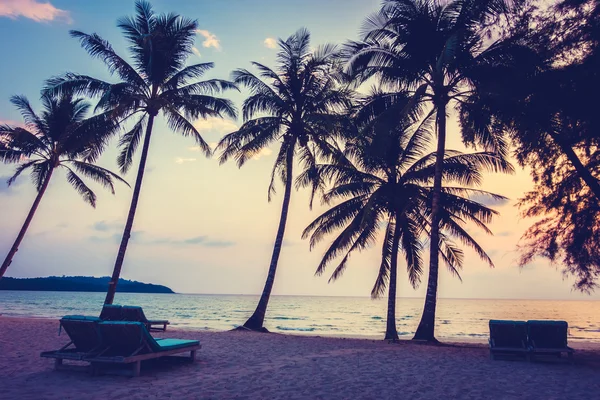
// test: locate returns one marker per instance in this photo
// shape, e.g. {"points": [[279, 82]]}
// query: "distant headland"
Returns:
{"points": [[79, 284]]}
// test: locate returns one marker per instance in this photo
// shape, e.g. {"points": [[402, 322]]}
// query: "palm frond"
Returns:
{"points": [[86, 193]]}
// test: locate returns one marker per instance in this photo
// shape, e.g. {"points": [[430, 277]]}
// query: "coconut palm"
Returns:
{"points": [[434, 48], [158, 81], [60, 137], [298, 106], [388, 182]]}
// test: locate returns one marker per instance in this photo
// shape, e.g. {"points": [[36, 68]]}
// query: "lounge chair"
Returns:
{"points": [[134, 313], [111, 312], [85, 340], [508, 338], [548, 338], [126, 342]]}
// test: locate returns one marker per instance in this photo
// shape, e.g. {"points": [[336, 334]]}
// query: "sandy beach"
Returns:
{"points": [[244, 365]]}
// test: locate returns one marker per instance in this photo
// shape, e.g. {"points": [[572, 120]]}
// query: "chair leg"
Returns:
{"points": [[193, 355], [137, 367], [58, 362]]}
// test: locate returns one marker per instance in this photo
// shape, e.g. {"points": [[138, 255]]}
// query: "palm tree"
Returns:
{"points": [[300, 107], [61, 137], [157, 82], [389, 183], [434, 48]]}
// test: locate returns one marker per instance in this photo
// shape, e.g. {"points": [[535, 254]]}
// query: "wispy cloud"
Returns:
{"points": [[489, 201], [210, 39], [143, 238], [196, 51], [107, 226], [212, 145], [215, 125], [180, 160], [33, 9], [270, 43], [8, 121], [4, 188], [504, 234], [262, 153]]}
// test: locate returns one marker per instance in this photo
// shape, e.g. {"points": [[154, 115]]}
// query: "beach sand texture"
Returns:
{"points": [[245, 365]]}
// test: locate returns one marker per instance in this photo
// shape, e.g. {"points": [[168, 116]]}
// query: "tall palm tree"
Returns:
{"points": [[432, 47], [299, 106], [158, 81], [61, 137], [389, 183]]}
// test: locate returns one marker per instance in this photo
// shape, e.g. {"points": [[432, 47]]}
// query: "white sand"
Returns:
{"points": [[244, 365]]}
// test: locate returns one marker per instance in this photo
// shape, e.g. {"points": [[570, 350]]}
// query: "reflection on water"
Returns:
{"points": [[332, 316]]}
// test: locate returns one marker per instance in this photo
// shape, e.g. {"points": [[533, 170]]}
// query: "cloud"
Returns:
{"points": [[9, 121], [33, 9], [143, 238], [195, 240], [180, 160], [211, 39], [262, 153], [270, 43], [504, 234], [196, 51], [4, 188], [106, 226], [216, 125], [489, 201]]}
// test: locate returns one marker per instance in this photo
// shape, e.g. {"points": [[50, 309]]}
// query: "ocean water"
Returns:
{"points": [[459, 319]]}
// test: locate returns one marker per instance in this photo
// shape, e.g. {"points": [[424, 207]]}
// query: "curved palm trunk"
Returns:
{"points": [[21, 235], [426, 329], [391, 333], [255, 322], [112, 285], [583, 172]]}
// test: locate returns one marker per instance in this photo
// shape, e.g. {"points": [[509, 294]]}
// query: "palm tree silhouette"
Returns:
{"points": [[436, 49], [388, 182], [157, 82], [298, 106], [61, 137]]}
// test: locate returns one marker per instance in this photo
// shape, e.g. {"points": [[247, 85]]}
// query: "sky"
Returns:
{"points": [[201, 227]]}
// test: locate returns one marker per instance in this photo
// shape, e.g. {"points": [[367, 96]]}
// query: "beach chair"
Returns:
{"points": [[548, 338], [134, 313], [508, 338], [85, 340], [111, 312], [126, 342]]}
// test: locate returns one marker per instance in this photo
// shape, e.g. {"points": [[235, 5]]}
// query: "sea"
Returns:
{"points": [[360, 317]]}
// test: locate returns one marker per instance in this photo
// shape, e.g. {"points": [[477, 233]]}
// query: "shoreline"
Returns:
{"points": [[444, 341], [250, 365]]}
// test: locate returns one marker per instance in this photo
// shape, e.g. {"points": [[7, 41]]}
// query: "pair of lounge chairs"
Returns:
{"points": [[108, 343], [528, 339], [113, 312]]}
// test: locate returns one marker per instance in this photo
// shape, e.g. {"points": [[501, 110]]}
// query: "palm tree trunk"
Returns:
{"points": [[112, 285], [255, 322], [391, 333], [583, 172], [21, 235], [426, 328]]}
